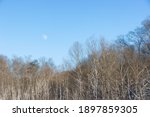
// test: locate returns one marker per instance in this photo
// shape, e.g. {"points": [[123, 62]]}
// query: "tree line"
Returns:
{"points": [[99, 71]]}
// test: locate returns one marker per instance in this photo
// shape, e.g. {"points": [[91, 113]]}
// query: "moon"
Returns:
{"points": [[45, 37]]}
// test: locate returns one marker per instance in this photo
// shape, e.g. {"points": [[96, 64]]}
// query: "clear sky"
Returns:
{"points": [[48, 28]]}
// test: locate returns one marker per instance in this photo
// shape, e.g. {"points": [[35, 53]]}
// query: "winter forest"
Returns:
{"points": [[95, 71]]}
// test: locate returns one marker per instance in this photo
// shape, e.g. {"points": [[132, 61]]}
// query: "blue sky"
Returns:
{"points": [[48, 28]]}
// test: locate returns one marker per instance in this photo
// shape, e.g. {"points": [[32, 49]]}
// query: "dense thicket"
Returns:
{"points": [[100, 71]]}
